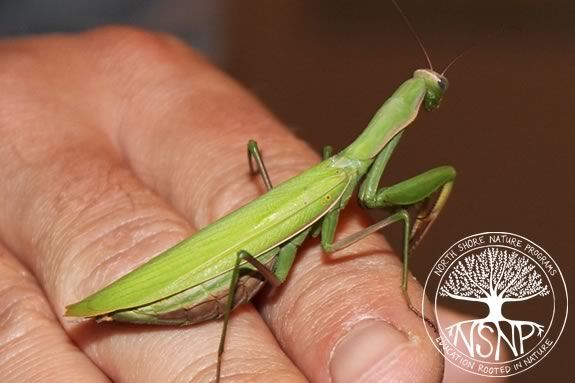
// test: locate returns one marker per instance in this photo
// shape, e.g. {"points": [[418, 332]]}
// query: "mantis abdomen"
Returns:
{"points": [[204, 302]]}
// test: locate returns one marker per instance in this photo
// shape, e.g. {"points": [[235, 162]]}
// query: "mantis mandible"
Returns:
{"points": [[225, 264]]}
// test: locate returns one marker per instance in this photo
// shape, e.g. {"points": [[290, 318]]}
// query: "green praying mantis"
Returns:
{"points": [[225, 264]]}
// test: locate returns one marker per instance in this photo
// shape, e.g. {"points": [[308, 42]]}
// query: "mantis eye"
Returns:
{"points": [[442, 83]]}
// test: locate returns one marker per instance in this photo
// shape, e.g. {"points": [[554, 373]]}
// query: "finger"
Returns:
{"points": [[354, 317], [74, 213], [33, 345], [342, 320]]}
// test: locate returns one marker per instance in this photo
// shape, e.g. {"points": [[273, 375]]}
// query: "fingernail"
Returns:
{"points": [[369, 345]]}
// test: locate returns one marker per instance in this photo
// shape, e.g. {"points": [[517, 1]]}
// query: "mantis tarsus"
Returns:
{"points": [[223, 265]]}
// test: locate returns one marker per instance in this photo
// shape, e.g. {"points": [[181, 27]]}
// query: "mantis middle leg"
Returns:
{"points": [[254, 153]]}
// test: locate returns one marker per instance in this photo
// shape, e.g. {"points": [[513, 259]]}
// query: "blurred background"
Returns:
{"points": [[324, 67]]}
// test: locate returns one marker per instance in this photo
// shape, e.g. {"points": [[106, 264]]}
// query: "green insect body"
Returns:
{"points": [[204, 261], [223, 265]]}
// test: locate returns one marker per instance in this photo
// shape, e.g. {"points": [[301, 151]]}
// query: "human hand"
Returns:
{"points": [[117, 144]]}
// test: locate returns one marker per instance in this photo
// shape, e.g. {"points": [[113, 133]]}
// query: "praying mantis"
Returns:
{"points": [[224, 265]]}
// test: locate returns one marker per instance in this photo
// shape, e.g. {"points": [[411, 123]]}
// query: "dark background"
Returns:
{"points": [[324, 67]]}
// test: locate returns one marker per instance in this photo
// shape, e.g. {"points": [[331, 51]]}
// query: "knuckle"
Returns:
{"points": [[136, 49], [129, 243], [25, 318], [110, 227], [21, 301], [235, 186], [229, 193]]}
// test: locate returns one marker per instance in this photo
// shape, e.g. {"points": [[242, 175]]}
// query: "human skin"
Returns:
{"points": [[117, 144]]}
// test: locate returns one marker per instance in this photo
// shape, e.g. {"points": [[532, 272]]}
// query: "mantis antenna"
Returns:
{"points": [[469, 48], [413, 32]]}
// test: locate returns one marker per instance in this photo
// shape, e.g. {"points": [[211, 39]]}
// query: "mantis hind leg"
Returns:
{"points": [[234, 280], [276, 277], [255, 155]]}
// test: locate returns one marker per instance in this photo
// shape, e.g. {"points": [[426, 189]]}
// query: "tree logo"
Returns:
{"points": [[516, 298]]}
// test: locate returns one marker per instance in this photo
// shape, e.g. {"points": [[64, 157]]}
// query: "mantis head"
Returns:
{"points": [[436, 85]]}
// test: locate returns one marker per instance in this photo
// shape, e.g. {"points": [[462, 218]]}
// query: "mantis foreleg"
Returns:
{"points": [[417, 191]]}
